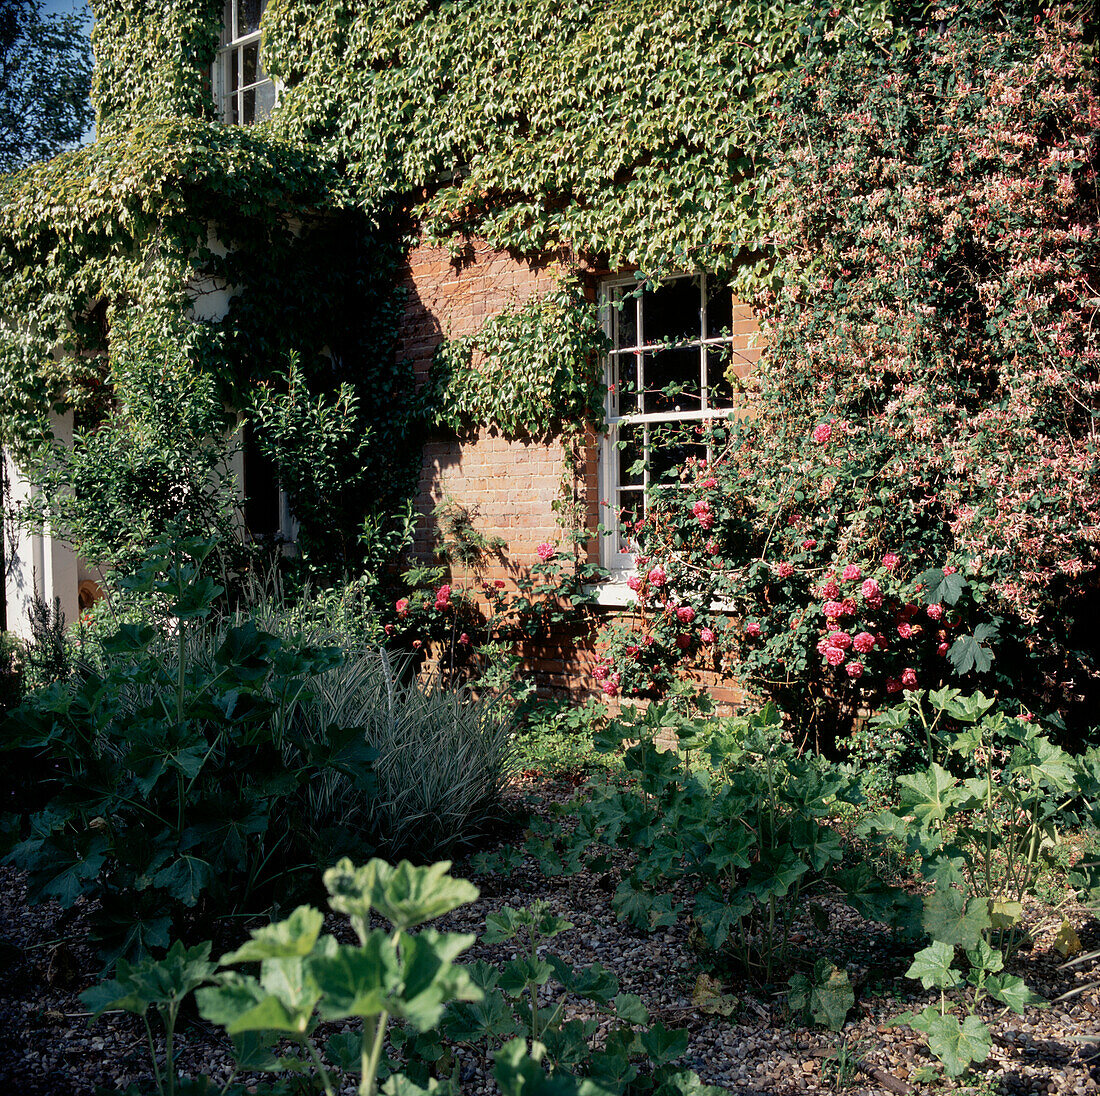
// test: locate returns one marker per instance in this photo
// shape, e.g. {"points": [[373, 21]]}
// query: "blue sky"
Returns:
{"points": [[64, 5]]}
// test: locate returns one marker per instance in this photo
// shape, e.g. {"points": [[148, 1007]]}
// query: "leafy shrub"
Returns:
{"points": [[923, 413], [394, 975], [981, 817], [749, 830], [197, 764]]}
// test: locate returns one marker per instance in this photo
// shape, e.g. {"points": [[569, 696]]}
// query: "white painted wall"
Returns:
{"points": [[37, 564]]}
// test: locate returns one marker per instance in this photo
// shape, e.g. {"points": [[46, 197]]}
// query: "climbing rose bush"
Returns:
{"points": [[912, 495]]}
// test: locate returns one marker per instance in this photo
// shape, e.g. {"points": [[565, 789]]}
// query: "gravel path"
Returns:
{"points": [[47, 1047]]}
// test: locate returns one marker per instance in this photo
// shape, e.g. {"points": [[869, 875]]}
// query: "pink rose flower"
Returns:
{"points": [[600, 673], [840, 639], [941, 650], [847, 607], [708, 483], [834, 656], [785, 569], [909, 678], [402, 606], [657, 576], [864, 642], [685, 614], [703, 513], [634, 582], [832, 610], [822, 433], [893, 685], [752, 628], [905, 629], [830, 589], [870, 589], [712, 547], [632, 649], [854, 669], [443, 596], [464, 640], [852, 573], [706, 635], [609, 688], [388, 629], [934, 611], [683, 641], [950, 570], [545, 551], [499, 583], [808, 544], [890, 561]]}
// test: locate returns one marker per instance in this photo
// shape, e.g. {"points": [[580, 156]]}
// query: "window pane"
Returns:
{"points": [[624, 376], [248, 18], [669, 448], [626, 317], [671, 313], [672, 381], [719, 389], [249, 64], [265, 99], [630, 462], [227, 23], [719, 309], [248, 107]]}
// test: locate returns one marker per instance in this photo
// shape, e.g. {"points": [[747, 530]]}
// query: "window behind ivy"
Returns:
{"points": [[668, 373], [245, 93]]}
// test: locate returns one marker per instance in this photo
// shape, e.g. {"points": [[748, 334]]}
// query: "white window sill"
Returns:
{"points": [[614, 593]]}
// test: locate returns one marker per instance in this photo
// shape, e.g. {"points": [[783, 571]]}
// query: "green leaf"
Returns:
{"points": [[357, 981], [1013, 992], [185, 878], [941, 588], [956, 1046], [950, 918], [663, 1045], [929, 795], [405, 895], [293, 937], [932, 966]]}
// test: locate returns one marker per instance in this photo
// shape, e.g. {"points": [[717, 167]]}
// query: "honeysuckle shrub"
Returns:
{"points": [[909, 496]]}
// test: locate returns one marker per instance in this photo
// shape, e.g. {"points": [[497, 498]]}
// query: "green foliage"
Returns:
{"points": [[196, 763], [983, 826], [555, 737], [824, 996], [619, 131], [748, 830], [524, 1031], [530, 371], [45, 77], [305, 978]]}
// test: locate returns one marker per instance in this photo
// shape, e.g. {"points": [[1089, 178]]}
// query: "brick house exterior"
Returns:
{"points": [[512, 485]]}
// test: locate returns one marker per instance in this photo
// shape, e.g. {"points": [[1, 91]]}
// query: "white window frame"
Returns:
{"points": [[616, 556], [233, 45]]}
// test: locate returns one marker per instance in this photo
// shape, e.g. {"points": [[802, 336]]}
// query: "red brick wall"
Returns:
{"points": [[510, 485]]}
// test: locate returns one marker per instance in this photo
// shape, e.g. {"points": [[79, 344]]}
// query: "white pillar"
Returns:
{"points": [[36, 564]]}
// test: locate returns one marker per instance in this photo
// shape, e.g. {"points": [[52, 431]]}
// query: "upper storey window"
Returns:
{"points": [[243, 91]]}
